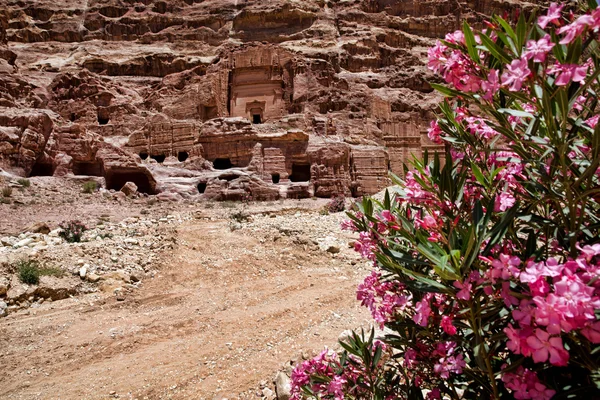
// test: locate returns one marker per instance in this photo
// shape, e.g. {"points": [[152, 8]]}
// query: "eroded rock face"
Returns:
{"points": [[224, 99]]}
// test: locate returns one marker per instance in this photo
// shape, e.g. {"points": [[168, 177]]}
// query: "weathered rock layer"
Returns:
{"points": [[223, 99]]}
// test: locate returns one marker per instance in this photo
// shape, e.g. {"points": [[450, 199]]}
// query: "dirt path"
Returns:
{"points": [[223, 316]]}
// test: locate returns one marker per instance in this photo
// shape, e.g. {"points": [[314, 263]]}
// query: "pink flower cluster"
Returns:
{"points": [[456, 68], [383, 298], [335, 381], [563, 298], [325, 365], [525, 384], [448, 360]]}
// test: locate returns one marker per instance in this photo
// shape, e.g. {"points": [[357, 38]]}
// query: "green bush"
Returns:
{"points": [[29, 272], [24, 182], [6, 191], [90, 187]]}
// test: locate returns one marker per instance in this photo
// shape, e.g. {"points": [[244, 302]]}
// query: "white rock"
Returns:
{"points": [[83, 271], [23, 243], [283, 386]]}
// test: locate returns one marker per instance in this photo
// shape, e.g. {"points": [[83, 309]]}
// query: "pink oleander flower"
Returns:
{"points": [[505, 268], [434, 132], [567, 73], [447, 325], [422, 311], [538, 50], [437, 58], [435, 394], [479, 127], [383, 299], [552, 17], [547, 348], [504, 201], [491, 86], [575, 28], [592, 332], [465, 290], [516, 74], [336, 387], [366, 246], [578, 105], [348, 225], [525, 384], [456, 37], [448, 365], [517, 340], [593, 121]]}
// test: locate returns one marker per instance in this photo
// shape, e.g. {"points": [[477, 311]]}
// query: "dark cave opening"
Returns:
{"points": [[102, 120], [202, 187], [42, 169], [143, 156], [222, 163], [256, 119], [182, 156], [300, 173], [159, 158], [116, 180], [275, 178]]}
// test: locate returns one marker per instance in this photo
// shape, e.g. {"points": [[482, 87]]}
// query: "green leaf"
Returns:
{"points": [[446, 91], [516, 113], [470, 42], [494, 49], [478, 175]]}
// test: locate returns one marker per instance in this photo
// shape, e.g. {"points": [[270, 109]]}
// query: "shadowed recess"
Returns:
{"points": [[116, 179], [300, 173]]}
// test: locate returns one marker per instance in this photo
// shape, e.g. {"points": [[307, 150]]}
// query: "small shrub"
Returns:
{"points": [[337, 204], [24, 182], [72, 231], [4, 201], [240, 216], [6, 191], [28, 272], [90, 187]]}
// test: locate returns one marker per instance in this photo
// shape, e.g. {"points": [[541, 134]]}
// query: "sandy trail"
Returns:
{"points": [[223, 316]]}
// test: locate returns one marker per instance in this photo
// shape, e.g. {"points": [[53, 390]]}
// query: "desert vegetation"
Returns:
{"points": [[486, 260]]}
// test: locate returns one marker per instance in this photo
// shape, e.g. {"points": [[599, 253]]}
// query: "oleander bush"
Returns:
{"points": [[487, 258], [72, 231]]}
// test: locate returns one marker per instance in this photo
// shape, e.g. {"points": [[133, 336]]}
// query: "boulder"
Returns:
{"points": [[129, 189], [283, 386]]}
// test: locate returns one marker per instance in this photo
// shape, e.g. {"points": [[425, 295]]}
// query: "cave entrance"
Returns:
{"points": [[102, 120], [275, 178], [300, 173], [222, 163], [88, 168], [159, 158], [202, 187], [256, 119], [143, 156], [182, 156], [42, 169], [116, 180]]}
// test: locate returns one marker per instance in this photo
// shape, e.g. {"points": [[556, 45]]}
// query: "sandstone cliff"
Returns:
{"points": [[226, 98]]}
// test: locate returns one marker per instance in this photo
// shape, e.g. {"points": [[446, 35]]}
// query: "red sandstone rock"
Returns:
{"points": [[223, 99]]}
